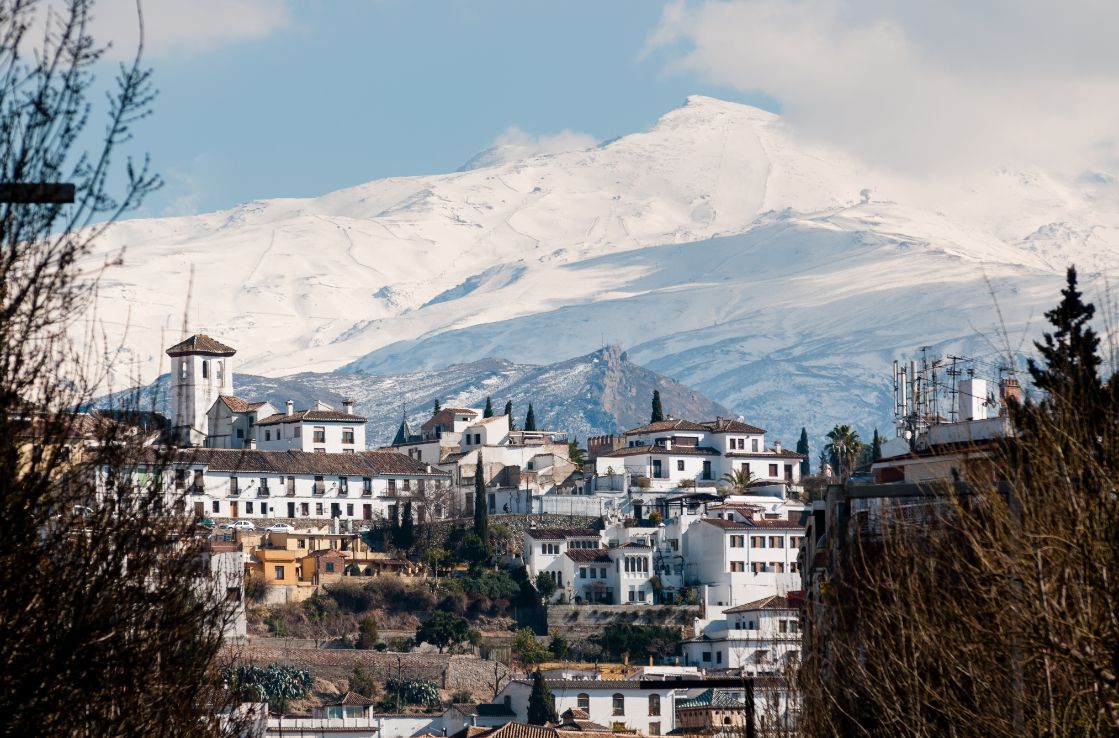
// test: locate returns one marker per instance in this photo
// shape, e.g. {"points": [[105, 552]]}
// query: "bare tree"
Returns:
{"points": [[108, 623]]}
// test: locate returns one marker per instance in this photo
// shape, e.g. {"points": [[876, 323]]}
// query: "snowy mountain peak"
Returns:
{"points": [[716, 247]]}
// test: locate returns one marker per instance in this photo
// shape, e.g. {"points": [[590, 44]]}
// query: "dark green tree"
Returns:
{"points": [[658, 411], [444, 629], [1069, 370], [541, 704], [843, 449], [530, 419], [545, 585], [367, 634], [509, 414], [802, 448], [559, 647], [406, 537], [481, 508], [488, 412], [575, 453], [435, 407], [876, 447], [362, 682]]}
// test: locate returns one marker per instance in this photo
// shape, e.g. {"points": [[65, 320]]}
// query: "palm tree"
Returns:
{"points": [[738, 480], [843, 448]]}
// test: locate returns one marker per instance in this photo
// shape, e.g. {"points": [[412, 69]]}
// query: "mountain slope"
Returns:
{"points": [[777, 277], [602, 392]]}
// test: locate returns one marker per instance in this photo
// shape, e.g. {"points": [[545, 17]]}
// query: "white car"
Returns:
{"points": [[280, 528], [238, 525]]}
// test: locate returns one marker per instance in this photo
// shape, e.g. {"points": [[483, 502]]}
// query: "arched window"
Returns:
{"points": [[220, 369], [583, 701], [619, 703], [205, 369], [726, 721], [182, 368], [654, 705]]}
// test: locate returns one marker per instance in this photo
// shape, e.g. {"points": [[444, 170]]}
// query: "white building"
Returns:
{"points": [[263, 485], [672, 454], [544, 550], [757, 638], [231, 422], [645, 706], [321, 430], [737, 562], [201, 371]]}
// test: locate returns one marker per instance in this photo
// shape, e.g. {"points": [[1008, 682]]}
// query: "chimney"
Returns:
{"points": [[290, 407], [777, 446], [348, 407]]}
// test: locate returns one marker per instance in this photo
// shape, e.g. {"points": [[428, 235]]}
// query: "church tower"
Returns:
{"points": [[201, 370]]}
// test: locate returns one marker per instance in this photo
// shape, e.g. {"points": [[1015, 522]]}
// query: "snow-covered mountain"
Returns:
{"points": [[776, 277], [602, 392]]}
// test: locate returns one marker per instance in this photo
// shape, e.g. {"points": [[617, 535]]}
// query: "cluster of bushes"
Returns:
{"points": [[639, 641], [275, 684]]}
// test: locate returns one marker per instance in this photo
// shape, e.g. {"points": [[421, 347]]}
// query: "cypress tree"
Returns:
{"points": [[876, 447], [488, 412], [509, 414], [530, 419], [407, 535], [541, 704], [658, 411], [802, 448], [435, 407], [1070, 372], [481, 514]]}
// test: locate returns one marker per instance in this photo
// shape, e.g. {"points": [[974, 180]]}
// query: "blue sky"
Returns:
{"points": [[288, 98], [346, 92]]}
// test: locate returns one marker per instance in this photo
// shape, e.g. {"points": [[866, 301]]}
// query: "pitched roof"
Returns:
{"points": [[725, 425], [362, 463], [767, 454], [200, 343], [446, 417], [726, 524], [773, 602], [666, 425], [588, 554], [352, 699], [781, 524], [560, 534], [662, 451], [712, 698], [517, 730], [311, 415], [574, 713], [240, 404]]}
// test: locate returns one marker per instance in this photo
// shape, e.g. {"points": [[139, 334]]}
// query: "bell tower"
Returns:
{"points": [[201, 371]]}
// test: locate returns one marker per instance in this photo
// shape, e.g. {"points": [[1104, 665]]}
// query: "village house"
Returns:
{"points": [[757, 638], [645, 706], [710, 713], [735, 561]]}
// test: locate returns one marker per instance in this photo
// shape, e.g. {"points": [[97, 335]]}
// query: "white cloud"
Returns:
{"points": [[185, 27], [920, 86], [514, 145]]}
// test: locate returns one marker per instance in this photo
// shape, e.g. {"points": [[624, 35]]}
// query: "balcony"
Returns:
{"points": [[263, 492], [196, 489], [234, 491], [319, 489], [367, 492], [343, 491]]}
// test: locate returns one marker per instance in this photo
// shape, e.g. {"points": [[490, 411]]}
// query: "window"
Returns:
{"points": [[583, 701], [330, 567], [301, 543], [738, 541], [205, 370], [279, 572], [305, 508], [392, 486], [738, 566], [746, 468], [654, 705], [777, 541], [757, 541], [794, 567], [602, 572], [754, 445], [788, 472], [347, 435], [679, 465], [778, 567], [707, 656], [268, 435], [551, 549], [366, 486], [349, 510], [794, 541], [742, 444], [654, 728], [220, 365], [249, 508], [582, 572], [264, 485], [182, 368], [594, 572], [782, 626], [757, 567], [772, 471], [343, 485], [619, 704], [297, 431], [718, 657], [320, 434], [240, 432], [407, 485], [217, 507], [234, 486], [318, 509]]}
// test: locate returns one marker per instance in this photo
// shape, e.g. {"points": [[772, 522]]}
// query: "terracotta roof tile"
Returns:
{"points": [[312, 416], [725, 425], [364, 463], [588, 554], [773, 602], [727, 524], [560, 534], [666, 425], [200, 343], [662, 451], [352, 699]]}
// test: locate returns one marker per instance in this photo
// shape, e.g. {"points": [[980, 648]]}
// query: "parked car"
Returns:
{"points": [[280, 528], [206, 523], [238, 525]]}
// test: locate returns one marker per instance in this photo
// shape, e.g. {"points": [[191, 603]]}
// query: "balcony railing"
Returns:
{"points": [[343, 491], [367, 492], [263, 492], [197, 489], [319, 489], [234, 491]]}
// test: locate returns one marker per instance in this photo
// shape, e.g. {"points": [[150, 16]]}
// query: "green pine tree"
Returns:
{"points": [[530, 419], [1070, 368], [541, 704], [876, 447], [481, 513], [435, 407], [658, 411], [509, 414], [802, 448], [488, 412]]}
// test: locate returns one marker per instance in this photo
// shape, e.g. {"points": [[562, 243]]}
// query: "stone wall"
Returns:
{"points": [[578, 622]]}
